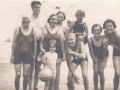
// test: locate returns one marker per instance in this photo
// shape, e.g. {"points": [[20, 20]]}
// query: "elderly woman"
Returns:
{"points": [[23, 50], [73, 63], [54, 32]]}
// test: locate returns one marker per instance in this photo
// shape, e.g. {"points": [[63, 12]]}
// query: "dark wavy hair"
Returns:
{"points": [[109, 20], [95, 25], [35, 2], [62, 13], [50, 17]]}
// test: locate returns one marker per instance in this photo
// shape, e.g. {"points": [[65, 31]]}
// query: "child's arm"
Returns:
{"points": [[44, 62]]}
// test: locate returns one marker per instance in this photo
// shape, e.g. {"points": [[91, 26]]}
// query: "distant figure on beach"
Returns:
{"points": [[23, 50], [50, 60], [79, 27], [38, 24], [113, 37], [96, 46], [73, 63], [53, 32]]}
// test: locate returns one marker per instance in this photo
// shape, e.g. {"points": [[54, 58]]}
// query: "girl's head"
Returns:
{"points": [[25, 21], [96, 29], [52, 20], [109, 26], [52, 45], [71, 39], [80, 14], [61, 16]]}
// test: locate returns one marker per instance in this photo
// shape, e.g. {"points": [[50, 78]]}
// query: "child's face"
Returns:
{"points": [[79, 16], [68, 23], [52, 48]]}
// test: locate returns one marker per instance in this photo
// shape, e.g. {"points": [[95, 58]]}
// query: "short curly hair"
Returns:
{"points": [[109, 20], [95, 25], [80, 11], [62, 13], [48, 20], [35, 2]]}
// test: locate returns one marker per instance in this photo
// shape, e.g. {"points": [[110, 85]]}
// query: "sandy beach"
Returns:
{"points": [[7, 73]]}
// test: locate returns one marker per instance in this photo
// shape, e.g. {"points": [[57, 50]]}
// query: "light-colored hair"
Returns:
{"points": [[71, 34]]}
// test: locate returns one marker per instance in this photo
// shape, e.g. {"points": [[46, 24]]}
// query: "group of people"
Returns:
{"points": [[36, 43]]}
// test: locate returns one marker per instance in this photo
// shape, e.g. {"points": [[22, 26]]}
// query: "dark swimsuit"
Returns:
{"points": [[24, 48], [79, 28], [98, 51], [55, 36], [78, 61]]}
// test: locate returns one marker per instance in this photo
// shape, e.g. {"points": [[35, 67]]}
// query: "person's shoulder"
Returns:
{"points": [[17, 29], [73, 23], [117, 33]]}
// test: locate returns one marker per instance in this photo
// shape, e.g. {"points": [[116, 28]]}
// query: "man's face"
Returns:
{"points": [[36, 8]]}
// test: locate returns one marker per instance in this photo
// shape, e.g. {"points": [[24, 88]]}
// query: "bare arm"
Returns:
{"points": [[14, 43], [82, 53], [42, 40], [71, 26], [35, 43]]}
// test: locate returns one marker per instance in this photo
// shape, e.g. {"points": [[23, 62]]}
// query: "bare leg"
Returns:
{"points": [[84, 68], [47, 84], [30, 77], [71, 79], [26, 68], [37, 69], [116, 65], [57, 80], [17, 75]]}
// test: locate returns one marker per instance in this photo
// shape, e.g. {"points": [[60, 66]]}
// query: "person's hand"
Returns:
{"points": [[43, 50], [76, 79], [44, 62], [40, 56], [12, 59], [64, 58], [102, 65]]}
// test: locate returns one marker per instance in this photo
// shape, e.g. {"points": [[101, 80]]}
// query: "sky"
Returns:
{"points": [[96, 11]]}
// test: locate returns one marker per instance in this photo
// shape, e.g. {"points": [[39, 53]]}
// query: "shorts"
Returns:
{"points": [[116, 52], [38, 49], [79, 61], [24, 57]]}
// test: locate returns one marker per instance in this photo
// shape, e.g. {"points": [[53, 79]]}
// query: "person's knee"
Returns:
{"points": [[95, 72], [84, 75], [18, 75], [25, 75], [101, 71], [80, 38]]}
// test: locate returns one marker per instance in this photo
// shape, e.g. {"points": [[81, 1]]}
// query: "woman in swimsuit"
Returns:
{"points": [[54, 32], [23, 51], [96, 46]]}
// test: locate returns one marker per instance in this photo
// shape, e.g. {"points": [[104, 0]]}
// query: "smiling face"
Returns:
{"points": [[36, 8], [109, 27], [25, 22], [71, 40], [79, 16], [52, 48], [53, 20], [60, 17], [96, 31]]}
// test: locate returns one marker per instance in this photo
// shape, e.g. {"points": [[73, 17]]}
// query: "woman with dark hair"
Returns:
{"points": [[23, 50], [54, 32], [96, 46], [113, 37]]}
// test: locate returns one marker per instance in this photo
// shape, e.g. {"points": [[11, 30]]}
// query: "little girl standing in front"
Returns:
{"points": [[50, 61]]}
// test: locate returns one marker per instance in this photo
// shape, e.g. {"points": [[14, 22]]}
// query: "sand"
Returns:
{"points": [[7, 73]]}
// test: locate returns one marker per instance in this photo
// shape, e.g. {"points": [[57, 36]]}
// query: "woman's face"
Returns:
{"points": [[96, 31], [25, 22], [60, 17], [71, 40], [109, 27], [53, 20], [68, 23]]}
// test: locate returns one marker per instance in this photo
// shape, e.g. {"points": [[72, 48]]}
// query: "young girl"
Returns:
{"points": [[50, 61], [96, 46], [79, 27]]}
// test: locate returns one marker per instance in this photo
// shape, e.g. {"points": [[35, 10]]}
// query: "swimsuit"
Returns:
{"points": [[24, 48]]}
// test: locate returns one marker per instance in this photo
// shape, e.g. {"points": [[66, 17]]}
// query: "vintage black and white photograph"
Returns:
{"points": [[59, 44]]}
